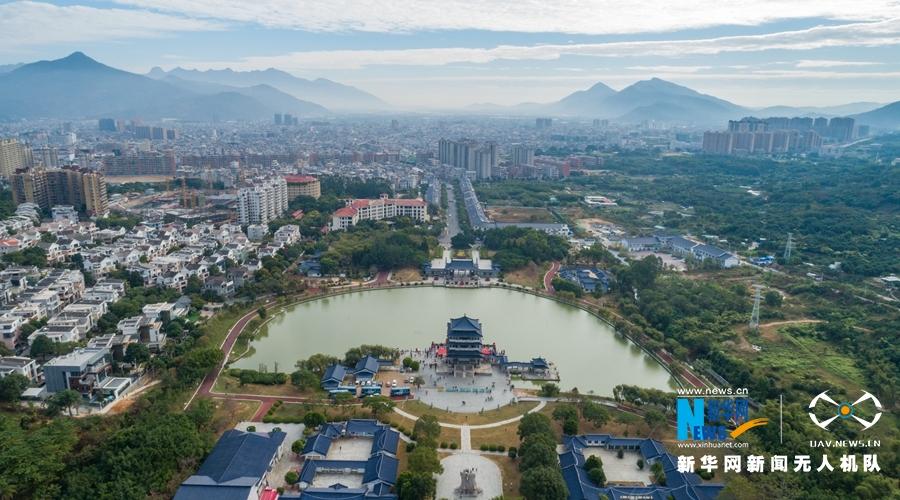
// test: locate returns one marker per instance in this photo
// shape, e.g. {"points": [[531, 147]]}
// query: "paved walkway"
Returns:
{"points": [[465, 438], [548, 277], [501, 423]]}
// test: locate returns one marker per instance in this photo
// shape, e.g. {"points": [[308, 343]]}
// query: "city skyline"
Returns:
{"points": [[451, 54]]}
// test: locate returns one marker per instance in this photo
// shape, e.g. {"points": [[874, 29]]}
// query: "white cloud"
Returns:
{"points": [[866, 34], [25, 24], [534, 16], [669, 69], [827, 63]]}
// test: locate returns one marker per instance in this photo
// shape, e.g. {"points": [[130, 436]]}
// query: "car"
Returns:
{"points": [[393, 383]]}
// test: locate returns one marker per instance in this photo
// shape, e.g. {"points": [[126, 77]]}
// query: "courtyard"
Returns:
{"points": [[487, 476], [621, 470]]}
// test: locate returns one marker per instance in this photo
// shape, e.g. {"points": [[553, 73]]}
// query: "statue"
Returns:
{"points": [[467, 486]]}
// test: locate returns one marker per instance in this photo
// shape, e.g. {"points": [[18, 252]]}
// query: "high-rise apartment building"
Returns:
{"points": [[83, 189], [302, 185], [152, 163], [13, 156], [522, 155], [470, 156], [262, 200]]}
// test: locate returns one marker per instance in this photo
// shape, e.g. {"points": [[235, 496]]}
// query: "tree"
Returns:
{"points": [[597, 476], [291, 477], [304, 380], [298, 445], [418, 381], [11, 387], [565, 412], [67, 399], [262, 312], [543, 483], [537, 451], [659, 474], [773, 299], [379, 405], [426, 430], [194, 365], [137, 353], [549, 390], [42, 347], [594, 413], [570, 426], [534, 423], [201, 413], [654, 418], [343, 398], [424, 459], [313, 419], [415, 485]]}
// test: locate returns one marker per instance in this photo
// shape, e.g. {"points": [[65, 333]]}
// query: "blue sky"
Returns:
{"points": [[432, 54]]}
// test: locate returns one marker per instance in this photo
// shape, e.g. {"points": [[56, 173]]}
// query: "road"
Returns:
{"points": [[548, 277], [452, 228]]}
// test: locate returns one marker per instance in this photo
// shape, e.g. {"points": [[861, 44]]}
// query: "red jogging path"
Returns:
{"points": [[548, 277]]}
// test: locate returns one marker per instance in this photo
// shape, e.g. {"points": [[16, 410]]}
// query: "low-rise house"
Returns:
{"points": [[56, 333], [81, 370], [21, 365], [238, 467], [220, 285], [9, 329]]}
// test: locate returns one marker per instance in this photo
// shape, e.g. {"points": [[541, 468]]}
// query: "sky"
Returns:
{"points": [[431, 54]]}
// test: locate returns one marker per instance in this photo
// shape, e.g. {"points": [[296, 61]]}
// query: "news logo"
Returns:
{"points": [[709, 419]]}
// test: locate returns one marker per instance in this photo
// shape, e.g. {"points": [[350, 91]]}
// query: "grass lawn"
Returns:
{"points": [[509, 470], [520, 214], [406, 274], [504, 435], [296, 411], [231, 385], [531, 275], [229, 413], [789, 352], [418, 408], [216, 327]]}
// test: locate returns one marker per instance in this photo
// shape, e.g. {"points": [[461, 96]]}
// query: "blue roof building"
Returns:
{"points": [[679, 486], [366, 368], [236, 468], [590, 279], [464, 341], [370, 478], [333, 376]]}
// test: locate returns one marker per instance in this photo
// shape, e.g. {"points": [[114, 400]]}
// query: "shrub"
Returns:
{"points": [[291, 477], [484, 447], [251, 428], [501, 448], [640, 463], [453, 446], [443, 444], [513, 452], [410, 447], [706, 474], [620, 453]]}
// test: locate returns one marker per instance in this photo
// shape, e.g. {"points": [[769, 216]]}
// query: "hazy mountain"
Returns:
{"points": [[584, 102], [887, 117], [814, 111], [77, 86], [321, 91], [6, 68], [269, 97], [654, 99], [660, 100]]}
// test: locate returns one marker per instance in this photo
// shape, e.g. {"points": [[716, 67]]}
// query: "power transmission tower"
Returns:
{"points": [[754, 316], [788, 247]]}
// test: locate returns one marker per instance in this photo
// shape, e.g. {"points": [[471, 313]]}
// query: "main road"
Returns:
{"points": [[452, 228]]}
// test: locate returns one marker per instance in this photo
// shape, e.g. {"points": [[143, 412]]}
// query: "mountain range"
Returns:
{"points": [[77, 86], [663, 101], [325, 92]]}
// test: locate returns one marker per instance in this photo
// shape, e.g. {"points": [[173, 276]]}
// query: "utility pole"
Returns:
{"points": [[754, 316], [788, 247]]}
